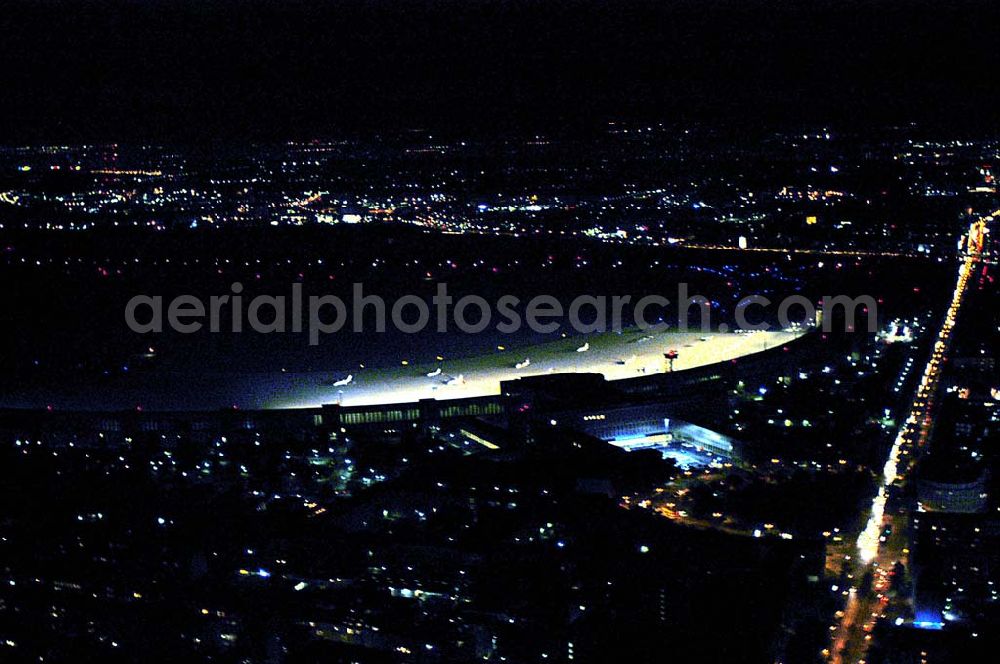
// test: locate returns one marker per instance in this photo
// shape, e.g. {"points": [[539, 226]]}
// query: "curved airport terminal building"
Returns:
{"points": [[601, 392]]}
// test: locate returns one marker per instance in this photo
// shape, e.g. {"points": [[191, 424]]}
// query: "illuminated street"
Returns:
{"points": [[876, 552]]}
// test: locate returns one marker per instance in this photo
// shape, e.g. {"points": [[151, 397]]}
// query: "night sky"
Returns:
{"points": [[161, 69]]}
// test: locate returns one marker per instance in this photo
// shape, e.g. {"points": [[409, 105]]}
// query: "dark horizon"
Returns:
{"points": [[121, 70]]}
